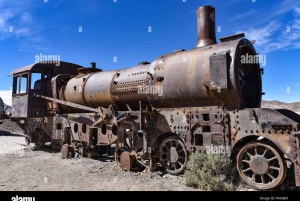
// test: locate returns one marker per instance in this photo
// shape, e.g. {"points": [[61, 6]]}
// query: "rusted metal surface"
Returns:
{"points": [[232, 37], [67, 151], [206, 26], [297, 164], [206, 76], [267, 123], [261, 165], [92, 69], [159, 112], [74, 105], [199, 77], [25, 103], [20, 106], [63, 68], [127, 159], [105, 133], [89, 89]]}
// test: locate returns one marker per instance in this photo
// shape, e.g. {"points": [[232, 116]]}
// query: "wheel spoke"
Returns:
{"points": [[250, 155], [180, 163], [176, 145], [253, 177], [265, 152], [272, 158], [166, 148], [246, 170], [260, 165], [262, 179], [179, 151], [182, 157], [274, 168], [271, 176]]}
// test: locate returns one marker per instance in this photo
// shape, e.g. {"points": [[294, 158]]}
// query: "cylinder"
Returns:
{"points": [[206, 26]]}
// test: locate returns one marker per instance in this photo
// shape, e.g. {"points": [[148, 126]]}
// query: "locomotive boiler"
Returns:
{"points": [[159, 112]]}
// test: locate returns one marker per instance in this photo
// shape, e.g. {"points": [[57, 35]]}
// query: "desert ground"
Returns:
{"points": [[25, 168]]}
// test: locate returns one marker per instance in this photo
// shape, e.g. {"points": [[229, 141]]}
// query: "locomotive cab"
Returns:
{"points": [[26, 85], [33, 80]]}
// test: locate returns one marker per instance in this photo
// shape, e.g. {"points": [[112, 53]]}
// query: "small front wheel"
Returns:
{"points": [[173, 155]]}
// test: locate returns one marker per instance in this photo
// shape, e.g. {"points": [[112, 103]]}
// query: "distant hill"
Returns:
{"points": [[281, 105]]}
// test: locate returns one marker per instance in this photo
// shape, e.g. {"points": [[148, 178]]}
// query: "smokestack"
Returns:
{"points": [[206, 26], [93, 65]]}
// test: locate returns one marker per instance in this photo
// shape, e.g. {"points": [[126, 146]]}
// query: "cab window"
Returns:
{"points": [[36, 81], [20, 84]]}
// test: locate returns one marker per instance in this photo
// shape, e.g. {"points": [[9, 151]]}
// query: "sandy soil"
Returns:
{"points": [[25, 168]]}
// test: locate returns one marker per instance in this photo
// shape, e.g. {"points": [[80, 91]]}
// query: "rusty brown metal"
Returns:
{"points": [[297, 169], [92, 69], [127, 159], [67, 151], [203, 76], [204, 99], [73, 105], [214, 78], [25, 103], [268, 123], [92, 90], [64, 67], [206, 26]]}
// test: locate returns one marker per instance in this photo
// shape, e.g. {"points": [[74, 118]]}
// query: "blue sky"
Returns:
{"points": [[120, 29]]}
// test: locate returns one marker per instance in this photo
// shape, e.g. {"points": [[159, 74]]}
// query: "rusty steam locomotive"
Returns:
{"points": [[158, 113]]}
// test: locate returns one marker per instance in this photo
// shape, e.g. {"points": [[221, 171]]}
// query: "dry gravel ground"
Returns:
{"points": [[24, 168], [42, 170]]}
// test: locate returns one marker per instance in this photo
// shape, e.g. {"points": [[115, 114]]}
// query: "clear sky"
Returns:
{"points": [[84, 31]]}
